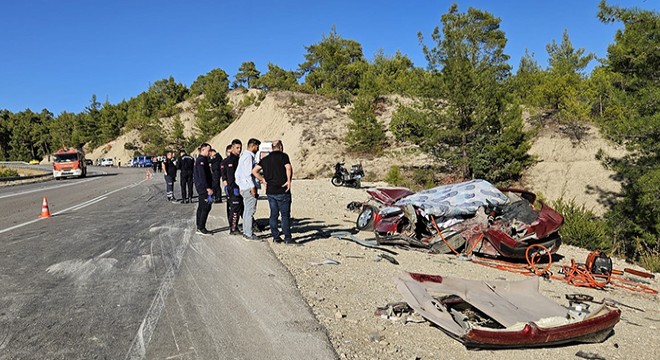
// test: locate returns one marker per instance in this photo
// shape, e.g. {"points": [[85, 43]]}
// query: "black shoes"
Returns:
{"points": [[278, 240], [251, 238], [203, 232], [235, 232]]}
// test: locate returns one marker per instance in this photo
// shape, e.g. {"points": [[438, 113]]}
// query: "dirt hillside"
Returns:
{"points": [[570, 170], [313, 129]]}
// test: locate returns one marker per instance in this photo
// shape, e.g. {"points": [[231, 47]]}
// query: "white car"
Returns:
{"points": [[107, 162]]}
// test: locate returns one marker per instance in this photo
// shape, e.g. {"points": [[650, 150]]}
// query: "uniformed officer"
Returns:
{"points": [[229, 181], [202, 177], [186, 165]]}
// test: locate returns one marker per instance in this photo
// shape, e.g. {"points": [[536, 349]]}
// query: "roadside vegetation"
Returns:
{"points": [[466, 112], [7, 172]]}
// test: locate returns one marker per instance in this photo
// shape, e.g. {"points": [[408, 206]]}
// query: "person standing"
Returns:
{"points": [[228, 172], [202, 176], [169, 169], [186, 166], [223, 177], [248, 186], [214, 161], [277, 173]]}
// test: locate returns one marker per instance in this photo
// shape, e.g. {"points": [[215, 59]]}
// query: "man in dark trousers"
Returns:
{"points": [[169, 169], [202, 176], [229, 181], [277, 173], [223, 177], [186, 165], [215, 160]]}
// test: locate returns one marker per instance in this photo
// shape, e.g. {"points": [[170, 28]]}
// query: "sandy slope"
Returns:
{"points": [[569, 170]]}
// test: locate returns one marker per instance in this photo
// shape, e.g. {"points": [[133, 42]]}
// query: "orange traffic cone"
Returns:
{"points": [[148, 177], [45, 213]]}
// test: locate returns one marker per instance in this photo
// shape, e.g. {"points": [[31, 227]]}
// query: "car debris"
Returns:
{"points": [[581, 298], [502, 314], [326, 261], [398, 311], [474, 215], [380, 257], [345, 235], [589, 355]]}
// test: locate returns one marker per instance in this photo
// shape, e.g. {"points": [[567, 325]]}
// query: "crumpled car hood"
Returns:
{"points": [[524, 316]]}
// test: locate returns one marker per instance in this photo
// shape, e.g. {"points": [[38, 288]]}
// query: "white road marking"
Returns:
{"points": [[48, 188], [75, 207]]}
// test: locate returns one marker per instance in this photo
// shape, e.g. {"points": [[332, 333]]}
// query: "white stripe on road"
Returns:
{"points": [[48, 188], [75, 207]]}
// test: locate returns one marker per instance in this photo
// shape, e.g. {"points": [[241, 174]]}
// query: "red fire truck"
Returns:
{"points": [[69, 162]]}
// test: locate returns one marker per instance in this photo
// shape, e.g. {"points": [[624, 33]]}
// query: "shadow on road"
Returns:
{"points": [[95, 174]]}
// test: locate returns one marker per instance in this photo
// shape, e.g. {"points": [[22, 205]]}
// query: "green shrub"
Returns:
{"points": [[7, 172], [582, 227], [424, 177], [247, 101], [650, 261], [394, 177], [296, 101]]}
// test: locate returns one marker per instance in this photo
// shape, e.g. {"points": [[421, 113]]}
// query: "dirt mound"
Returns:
{"points": [[313, 128], [570, 170]]}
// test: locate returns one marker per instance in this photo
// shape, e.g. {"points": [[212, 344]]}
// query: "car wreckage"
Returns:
{"points": [[503, 314], [474, 214]]}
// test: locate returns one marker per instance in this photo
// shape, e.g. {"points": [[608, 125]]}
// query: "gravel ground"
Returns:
{"points": [[345, 296]]}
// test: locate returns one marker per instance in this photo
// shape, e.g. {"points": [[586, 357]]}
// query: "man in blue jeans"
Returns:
{"points": [[277, 173]]}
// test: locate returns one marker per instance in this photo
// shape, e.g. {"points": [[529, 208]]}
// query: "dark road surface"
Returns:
{"points": [[118, 273]]}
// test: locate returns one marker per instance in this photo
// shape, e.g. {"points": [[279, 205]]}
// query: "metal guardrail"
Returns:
{"points": [[18, 164]]}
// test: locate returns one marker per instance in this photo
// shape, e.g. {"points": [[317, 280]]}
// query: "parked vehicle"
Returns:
{"points": [[89, 162], [107, 162], [142, 161], [265, 148], [348, 178], [69, 162], [491, 221]]}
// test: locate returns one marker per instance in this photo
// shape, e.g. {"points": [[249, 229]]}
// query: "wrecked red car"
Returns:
{"points": [[475, 215], [503, 314]]}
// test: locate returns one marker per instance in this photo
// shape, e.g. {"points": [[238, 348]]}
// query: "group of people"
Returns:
{"points": [[241, 176]]}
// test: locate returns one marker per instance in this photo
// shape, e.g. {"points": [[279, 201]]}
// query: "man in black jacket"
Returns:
{"points": [[229, 181], [202, 175], [186, 165], [215, 160], [169, 168]]}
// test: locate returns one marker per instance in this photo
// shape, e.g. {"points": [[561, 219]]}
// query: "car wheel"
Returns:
{"points": [[337, 181], [365, 220]]}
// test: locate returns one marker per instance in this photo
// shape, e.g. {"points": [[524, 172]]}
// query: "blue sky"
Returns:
{"points": [[56, 54]]}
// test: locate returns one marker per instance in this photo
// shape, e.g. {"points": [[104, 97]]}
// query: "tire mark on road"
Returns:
{"points": [[138, 348]]}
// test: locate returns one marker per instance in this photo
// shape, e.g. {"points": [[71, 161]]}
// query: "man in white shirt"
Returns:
{"points": [[248, 186]]}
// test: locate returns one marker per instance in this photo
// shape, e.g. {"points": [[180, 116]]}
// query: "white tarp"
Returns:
{"points": [[453, 200]]}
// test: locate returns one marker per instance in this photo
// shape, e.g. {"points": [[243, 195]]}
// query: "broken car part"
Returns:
{"points": [[501, 314]]}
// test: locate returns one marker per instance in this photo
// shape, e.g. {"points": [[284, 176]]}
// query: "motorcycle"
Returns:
{"points": [[485, 219], [344, 177]]}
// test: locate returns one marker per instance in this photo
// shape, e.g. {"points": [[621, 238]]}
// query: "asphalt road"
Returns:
{"points": [[118, 273]]}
